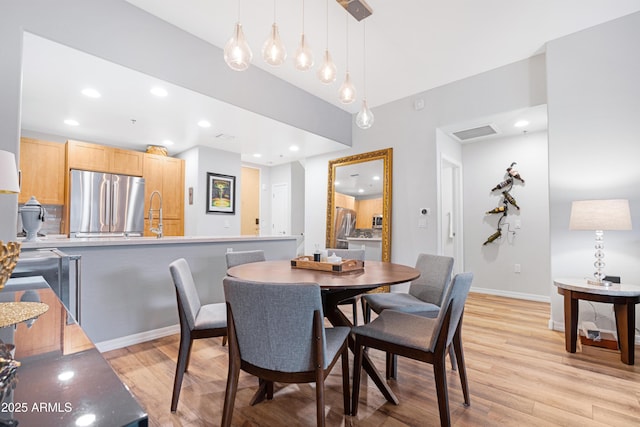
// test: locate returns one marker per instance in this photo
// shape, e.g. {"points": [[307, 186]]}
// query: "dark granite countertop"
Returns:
{"points": [[63, 380]]}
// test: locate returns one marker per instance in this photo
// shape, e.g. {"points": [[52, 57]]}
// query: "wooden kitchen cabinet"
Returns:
{"points": [[166, 175], [87, 156], [170, 227], [366, 209], [42, 166], [101, 158], [126, 162]]}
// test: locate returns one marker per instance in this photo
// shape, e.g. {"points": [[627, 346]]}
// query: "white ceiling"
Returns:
{"points": [[411, 47]]}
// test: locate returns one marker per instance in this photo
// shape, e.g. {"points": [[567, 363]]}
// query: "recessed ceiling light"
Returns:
{"points": [[521, 123], [71, 122], [204, 124], [360, 190], [257, 155], [294, 148], [91, 93], [158, 91], [376, 178], [167, 142]]}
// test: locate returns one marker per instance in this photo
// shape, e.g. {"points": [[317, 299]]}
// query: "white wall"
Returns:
{"points": [[412, 134], [485, 164], [594, 147], [198, 161], [119, 32]]}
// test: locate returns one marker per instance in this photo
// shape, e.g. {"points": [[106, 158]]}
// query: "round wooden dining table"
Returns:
{"points": [[335, 287]]}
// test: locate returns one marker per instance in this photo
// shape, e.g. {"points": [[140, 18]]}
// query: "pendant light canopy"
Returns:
{"points": [[304, 55], [347, 91], [364, 118], [273, 50], [237, 53], [327, 71]]}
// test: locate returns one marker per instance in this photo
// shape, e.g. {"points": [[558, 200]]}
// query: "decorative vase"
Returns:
{"points": [[9, 254]]}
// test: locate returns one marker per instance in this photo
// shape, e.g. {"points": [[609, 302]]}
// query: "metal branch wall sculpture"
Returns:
{"points": [[507, 201]]}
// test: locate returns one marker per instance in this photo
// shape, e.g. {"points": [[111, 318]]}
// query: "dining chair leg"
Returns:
{"points": [[319, 396], [357, 370], [366, 311], [181, 367], [230, 394], [265, 391], [462, 369], [224, 340], [452, 357], [440, 375], [392, 366], [355, 312], [345, 381]]}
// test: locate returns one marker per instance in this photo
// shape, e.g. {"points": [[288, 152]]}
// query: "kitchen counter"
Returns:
{"points": [[62, 241], [63, 379], [126, 292], [365, 239]]}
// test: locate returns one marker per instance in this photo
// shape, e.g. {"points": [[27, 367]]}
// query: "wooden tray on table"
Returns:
{"points": [[344, 266]]}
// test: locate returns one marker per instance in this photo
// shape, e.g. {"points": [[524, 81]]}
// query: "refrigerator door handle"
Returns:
{"points": [[115, 185], [105, 212]]}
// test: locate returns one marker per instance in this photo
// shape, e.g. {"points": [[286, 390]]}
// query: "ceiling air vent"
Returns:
{"points": [[467, 134]]}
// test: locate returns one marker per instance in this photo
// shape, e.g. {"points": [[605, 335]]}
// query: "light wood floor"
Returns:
{"points": [[519, 375]]}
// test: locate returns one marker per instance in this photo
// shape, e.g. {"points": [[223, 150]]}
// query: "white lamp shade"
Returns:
{"points": [[600, 215], [8, 173]]}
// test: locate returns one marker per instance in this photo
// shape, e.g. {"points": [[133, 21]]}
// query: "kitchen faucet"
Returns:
{"points": [[158, 230]]}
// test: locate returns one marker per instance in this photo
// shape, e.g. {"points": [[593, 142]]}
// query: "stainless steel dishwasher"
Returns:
{"points": [[54, 266]]}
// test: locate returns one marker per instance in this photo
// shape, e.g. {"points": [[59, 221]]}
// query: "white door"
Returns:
{"points": [[451, 213], [280, 214]]}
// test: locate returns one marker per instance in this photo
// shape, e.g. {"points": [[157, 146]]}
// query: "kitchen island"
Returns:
{"points": [[126, 292]]}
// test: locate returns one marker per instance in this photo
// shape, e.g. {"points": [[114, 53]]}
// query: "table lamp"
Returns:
{"points": [[600, 215], [8, 185]]}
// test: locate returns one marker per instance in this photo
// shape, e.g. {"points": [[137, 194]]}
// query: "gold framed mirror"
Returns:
{"points": [[359, 203]]}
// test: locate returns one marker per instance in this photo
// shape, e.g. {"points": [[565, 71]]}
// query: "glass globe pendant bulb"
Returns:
{"points": [[327, 72], [347, 91], [364, 118], [237, 53], [273, 51], [304, 56]]}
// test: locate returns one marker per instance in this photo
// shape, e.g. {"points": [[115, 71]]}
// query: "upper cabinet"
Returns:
{"points": [[100, 158], [165, 175], [42, 167]]}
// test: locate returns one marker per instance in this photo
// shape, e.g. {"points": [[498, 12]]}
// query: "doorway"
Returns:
{"points": [[250, 201], [450, 229], [280, 211]]}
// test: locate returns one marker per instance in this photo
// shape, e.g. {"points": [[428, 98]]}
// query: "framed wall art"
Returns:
{"points": [[221, 193]]}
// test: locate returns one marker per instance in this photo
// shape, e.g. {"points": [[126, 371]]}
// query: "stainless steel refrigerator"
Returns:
{"points": [[104, 204], [344, 225]]}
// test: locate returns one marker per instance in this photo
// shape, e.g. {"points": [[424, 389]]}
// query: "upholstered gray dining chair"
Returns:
{"points": [[424, 296], [420, 338], [196, 320], [425, 293], [357, 254], [277, 333], [244, 257]]}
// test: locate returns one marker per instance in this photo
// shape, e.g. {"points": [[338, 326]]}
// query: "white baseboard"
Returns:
{"points": [[137, 338], [509, 294]]}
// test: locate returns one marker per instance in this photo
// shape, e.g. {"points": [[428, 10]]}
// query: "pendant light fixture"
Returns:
{"points": [[347, 91], [273, 51], [327, 72], [304, 56], [364, 118], [237, 53]]}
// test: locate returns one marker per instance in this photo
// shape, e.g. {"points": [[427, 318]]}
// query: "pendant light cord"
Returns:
{"points": [[364, 58], [327, 24], [347, 21]]}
